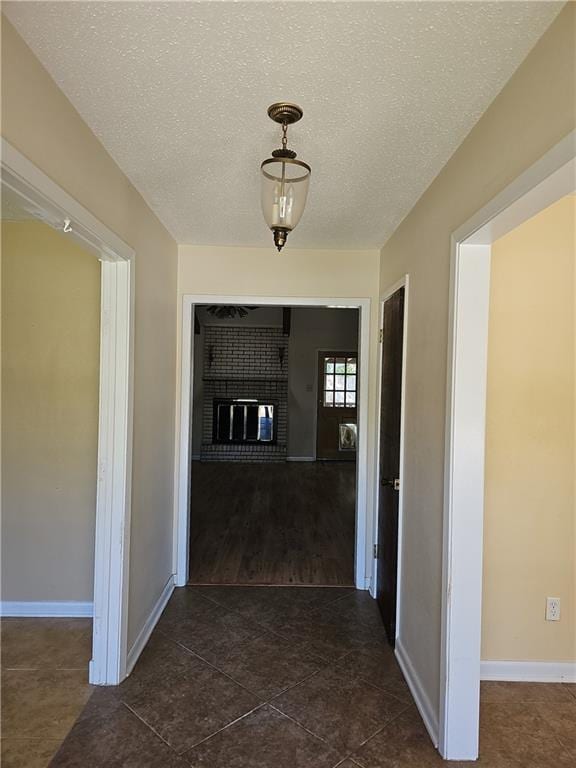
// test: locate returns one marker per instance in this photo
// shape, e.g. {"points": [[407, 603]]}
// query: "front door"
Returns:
{"points": [[337, 388], [387, 546]]}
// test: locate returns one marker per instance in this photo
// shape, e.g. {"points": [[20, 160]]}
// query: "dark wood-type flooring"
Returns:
{"points": [[281, 524], [272, 677]]}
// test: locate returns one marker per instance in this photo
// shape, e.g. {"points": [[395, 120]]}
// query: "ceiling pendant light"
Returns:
{"points": [[285, 180]]}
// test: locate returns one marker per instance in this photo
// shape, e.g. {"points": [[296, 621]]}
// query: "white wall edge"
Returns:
{"points": [[149, 624], [529, 671], [56, 609], [423, 703]]}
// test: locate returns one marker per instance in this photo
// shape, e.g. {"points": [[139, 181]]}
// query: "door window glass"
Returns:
{"points": [[340, 382]]}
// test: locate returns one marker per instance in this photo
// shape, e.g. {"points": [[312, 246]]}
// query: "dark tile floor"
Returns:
{"points": [[44, 686], [255, 677]]}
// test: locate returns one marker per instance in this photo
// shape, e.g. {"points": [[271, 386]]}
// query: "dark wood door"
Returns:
{"points": [[387, 547], [337, 396]]}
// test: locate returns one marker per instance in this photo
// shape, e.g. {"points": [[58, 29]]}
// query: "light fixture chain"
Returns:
{"points": [[284, 135]]}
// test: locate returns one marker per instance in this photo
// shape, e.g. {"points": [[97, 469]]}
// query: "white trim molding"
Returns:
{"points": [[421, 699], [50, 203], [149, 624], [184, 474], [549, 179], [529, 671], [113, 493], [56, 609]]}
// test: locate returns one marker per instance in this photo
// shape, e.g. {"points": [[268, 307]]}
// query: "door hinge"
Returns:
{"points": [[381, 335], [377, 551]]}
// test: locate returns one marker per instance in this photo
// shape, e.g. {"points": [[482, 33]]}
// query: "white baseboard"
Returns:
{"points": [[44, 609], [419, 695], [529, 671], [300, 458], [149, 624]]}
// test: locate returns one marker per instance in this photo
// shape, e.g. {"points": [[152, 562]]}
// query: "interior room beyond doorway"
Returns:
{"points": [[274, 432]]}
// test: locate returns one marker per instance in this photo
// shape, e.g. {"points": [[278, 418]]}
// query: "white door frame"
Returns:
{"points": [[52, 204], [552, 177], [404, 282], [183, 479]]}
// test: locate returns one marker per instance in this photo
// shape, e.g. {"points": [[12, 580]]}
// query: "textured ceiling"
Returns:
{"points": [[177, 92]]}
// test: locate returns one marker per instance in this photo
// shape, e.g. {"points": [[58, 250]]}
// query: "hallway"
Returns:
{"points": [[276, 523], [245, 677]]}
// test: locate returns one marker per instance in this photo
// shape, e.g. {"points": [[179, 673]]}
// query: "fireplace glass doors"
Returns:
{"points": [[244, 421]]}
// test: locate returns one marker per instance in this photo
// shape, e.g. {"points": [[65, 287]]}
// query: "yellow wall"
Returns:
{"points": [[529, 503], [294, 272], [533, 112], [50, 356], [40, 122]]}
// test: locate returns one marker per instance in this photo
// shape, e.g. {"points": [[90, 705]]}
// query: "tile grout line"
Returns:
{"points": [[215, 668], [237, 612], [141, 719], [347, 756], [373, 735], [224, 728], [294, 685], [301, 725], [241, 685]]}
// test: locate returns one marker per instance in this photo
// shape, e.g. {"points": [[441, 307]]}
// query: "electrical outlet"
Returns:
{"points": [[552, 609]]}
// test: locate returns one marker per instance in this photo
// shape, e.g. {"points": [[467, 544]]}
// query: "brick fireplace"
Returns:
{"points": [[245, 372]]}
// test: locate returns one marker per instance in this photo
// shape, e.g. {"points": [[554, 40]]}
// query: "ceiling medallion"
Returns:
{"points": [[285, 180]]}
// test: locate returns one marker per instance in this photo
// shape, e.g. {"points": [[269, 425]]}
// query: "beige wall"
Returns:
{"points": [[529, 503], [41, 123], [534, 111], [50, 356], [295, 272]]}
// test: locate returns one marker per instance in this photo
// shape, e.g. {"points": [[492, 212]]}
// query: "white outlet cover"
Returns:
{"points": [[552, 609]]}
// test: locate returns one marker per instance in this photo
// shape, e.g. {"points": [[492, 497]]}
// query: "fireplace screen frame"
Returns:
{"points": [[239, 402]]}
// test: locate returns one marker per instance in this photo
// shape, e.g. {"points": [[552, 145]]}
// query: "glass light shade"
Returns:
{"points": [[284, 191]]}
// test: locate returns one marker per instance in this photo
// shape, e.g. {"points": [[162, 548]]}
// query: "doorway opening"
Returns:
{"points": [[273, 446], [38, 198], [548, 180], [261, 501]]}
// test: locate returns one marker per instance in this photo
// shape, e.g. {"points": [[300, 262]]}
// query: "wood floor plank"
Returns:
{"points": [[290, 523]]}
